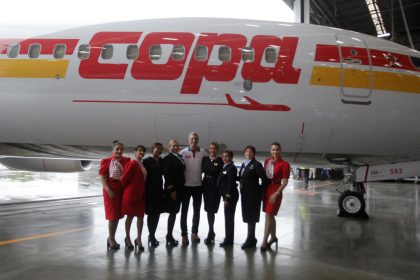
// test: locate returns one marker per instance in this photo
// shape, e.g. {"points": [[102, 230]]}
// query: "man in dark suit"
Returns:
{"points": [[227, 186], [250, 174], [173, 168]]}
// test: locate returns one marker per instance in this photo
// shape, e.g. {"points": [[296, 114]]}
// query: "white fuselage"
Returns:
{"points": [[366, 121]]}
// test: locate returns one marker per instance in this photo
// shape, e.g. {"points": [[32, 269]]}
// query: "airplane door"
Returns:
{"points": [[356, 70]]}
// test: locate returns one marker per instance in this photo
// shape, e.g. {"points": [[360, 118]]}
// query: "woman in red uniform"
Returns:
{"points": [[133, 199], [278, 171], [110, 173]]}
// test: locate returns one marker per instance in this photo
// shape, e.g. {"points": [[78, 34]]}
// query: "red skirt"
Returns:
{"points": [[133, 200], [113, 205], [271, 209]]}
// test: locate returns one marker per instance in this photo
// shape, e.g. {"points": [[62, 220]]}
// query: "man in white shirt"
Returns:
{"points": [[193, 156]]}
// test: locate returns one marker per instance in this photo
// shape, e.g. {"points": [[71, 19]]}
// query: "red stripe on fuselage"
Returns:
{"points": [[330, 53], [47, 45]]}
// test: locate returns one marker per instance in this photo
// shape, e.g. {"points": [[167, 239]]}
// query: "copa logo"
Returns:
{"points": [[143, 68]]}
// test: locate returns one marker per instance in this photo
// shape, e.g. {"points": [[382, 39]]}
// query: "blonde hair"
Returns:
{"points": [[172, 141]]}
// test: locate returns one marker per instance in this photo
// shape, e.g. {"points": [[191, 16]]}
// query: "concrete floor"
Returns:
{"points": [[52, 227]]}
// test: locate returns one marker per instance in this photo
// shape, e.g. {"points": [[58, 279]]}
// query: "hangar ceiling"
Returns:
{"points": [[355, 15]]}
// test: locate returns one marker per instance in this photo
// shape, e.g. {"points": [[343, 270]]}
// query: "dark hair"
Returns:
{"points": [[156, 144], [252, 148], [276, 144], [116, 143], [141, 148], [229, 152], [214, 144]]}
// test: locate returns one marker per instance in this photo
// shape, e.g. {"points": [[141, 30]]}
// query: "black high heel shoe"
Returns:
{"points": [[210, 239], [249, 244], [137, 244], [111, 247], [153, 242], [128, 244], [170, 241], [274, 240], [226, 243]]}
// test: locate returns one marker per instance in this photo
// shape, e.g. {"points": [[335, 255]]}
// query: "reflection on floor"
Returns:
{"points": [[62, 238]]}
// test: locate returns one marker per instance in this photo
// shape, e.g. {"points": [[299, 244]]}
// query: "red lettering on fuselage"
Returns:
{"points": [[92, 69], [144, 69], [226, 71], [283, 71]]}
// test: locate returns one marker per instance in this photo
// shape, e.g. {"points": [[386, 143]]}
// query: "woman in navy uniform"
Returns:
{"points": [[226, 184], [154, 191], [173, 166], [251, 193], [211, 167]]}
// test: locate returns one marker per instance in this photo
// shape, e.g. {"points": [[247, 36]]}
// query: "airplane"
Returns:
{"points": [[331, 97]]}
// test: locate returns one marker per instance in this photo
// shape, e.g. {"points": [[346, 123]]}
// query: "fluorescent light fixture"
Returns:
{"points": [[376, 16], [384, 35]]}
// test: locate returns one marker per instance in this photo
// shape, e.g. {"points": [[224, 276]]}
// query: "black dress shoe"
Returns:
{"points": [[249, 244], [153, 242], [226, 243], [210, 239]]}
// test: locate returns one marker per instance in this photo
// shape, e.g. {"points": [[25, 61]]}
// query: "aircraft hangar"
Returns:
{"points": [[52, 225]]}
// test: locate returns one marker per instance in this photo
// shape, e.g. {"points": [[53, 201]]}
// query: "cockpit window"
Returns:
{"points": [[415, 61], [13, 51]]}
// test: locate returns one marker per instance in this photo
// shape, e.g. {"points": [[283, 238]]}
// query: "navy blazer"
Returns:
{"points": [[226, 183], [249, 176], [173, 170]]}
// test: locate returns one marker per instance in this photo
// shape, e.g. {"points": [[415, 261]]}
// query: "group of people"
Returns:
{"points": [[136, 187]]}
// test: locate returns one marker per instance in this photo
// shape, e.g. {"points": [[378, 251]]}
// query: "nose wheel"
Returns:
{"points": [[351, 204]]}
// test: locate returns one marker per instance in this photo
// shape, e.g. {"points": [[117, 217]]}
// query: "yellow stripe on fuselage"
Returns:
{"points": [[33, 68], [358, 78]]}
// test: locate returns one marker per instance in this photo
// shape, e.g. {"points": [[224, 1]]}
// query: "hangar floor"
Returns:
{"points": [[52, 227]]}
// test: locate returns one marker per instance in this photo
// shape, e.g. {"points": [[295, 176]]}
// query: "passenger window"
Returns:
{"points": [[84, 51], [270, 55], [248, 54], [415, 61], [178, 53], [155, 52], [107, 51], [224, 54], [201, 53], [132, 52], [59, 51], [13, 51], [34, 51]]}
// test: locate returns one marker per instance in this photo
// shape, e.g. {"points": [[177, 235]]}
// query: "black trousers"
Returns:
{"points": [[230, 219], [197, 194]]}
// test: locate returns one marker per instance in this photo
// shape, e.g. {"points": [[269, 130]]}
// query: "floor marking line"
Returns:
{"points": [[39, 236]]}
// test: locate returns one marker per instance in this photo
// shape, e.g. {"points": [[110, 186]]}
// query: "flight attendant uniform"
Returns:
{"points": [[134, 190], [112, 169], [211, 169], [276, 171]]}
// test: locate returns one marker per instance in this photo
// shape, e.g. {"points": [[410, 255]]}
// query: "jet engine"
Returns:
{"points": [[46, 164]]}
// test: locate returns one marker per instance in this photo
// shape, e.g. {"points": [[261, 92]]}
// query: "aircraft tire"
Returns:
{"points": [[351, 204]]}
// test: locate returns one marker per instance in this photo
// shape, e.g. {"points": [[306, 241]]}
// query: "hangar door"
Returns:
{"points": [[356, 70]]}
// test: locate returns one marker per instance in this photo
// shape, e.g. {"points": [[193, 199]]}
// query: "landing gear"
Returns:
{"points": [[351, 202]]}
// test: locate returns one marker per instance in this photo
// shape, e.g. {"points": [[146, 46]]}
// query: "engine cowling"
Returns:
{"points": [[47, 164]]}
